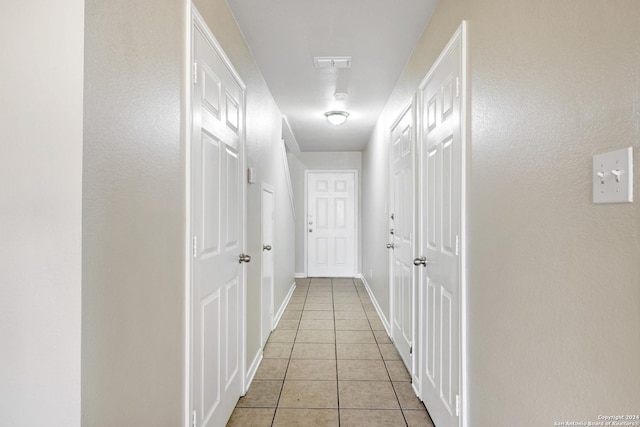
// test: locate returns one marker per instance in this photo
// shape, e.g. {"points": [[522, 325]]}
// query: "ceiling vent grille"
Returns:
{"points": [[332, 62]]}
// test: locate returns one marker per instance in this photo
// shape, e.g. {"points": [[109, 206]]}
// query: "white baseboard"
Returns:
{"points": [[280, 312], [301, 275], [383, 319], [251, 373]]}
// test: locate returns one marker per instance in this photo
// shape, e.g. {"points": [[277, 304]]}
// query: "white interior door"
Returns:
{"points": [[331, 224], [441, 159], [218, 231], [268, 226], [401, 235]]}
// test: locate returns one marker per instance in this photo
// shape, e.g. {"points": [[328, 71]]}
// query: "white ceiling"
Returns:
{"points": [[285, 35]]}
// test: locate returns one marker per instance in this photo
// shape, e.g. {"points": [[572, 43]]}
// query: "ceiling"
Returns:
{"points": [[284, 37]]}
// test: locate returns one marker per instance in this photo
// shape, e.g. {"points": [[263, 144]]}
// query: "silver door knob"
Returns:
{"points": [[266, 248], [422, 261], [244, 258], [390, 246]]}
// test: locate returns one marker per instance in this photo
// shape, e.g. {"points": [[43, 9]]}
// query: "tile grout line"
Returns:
{"points": [[273, 420]]}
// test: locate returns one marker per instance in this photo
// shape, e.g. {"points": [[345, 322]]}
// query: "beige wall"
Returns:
{"points": [[264, 139], [40, 212], [133, 214], [554, 280], [299, 163]]}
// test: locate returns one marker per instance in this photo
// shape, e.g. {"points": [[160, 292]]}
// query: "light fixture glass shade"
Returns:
{"points": [[336, 117]]}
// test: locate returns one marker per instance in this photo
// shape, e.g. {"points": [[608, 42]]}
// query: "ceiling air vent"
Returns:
{"points": [[332, 62]]}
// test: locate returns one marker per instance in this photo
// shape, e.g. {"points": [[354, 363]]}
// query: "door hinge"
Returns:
{"points": [[457, 244], [195, 246], [411, 350], [457, 87], [193, 419], [195, 72], [457, 405]]}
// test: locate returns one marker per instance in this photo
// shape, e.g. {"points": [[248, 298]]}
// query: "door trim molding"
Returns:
{"points": [[356, 215], [460, 36]]}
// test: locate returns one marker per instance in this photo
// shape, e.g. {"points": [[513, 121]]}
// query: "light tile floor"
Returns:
{"points": [[330, 363]]}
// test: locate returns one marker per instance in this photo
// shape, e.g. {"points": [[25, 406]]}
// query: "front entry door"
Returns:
{"points": [[441, 159], [331, 224], [217, 149], [401, 235]]}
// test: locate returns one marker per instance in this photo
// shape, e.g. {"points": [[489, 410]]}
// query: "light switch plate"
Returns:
{"points": [[613, 176]]}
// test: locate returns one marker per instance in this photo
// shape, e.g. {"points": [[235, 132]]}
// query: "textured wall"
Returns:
{"points": [[264, 139], [40, 212], [554, 280], [133, 214], [299, 163]]}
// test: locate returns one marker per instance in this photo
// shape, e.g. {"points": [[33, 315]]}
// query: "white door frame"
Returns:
{"points": [[356, 215], [193, 19], [459, 36], [268, 189]]}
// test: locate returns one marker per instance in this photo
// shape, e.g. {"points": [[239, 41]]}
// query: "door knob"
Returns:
{"points": [[244, 258], [390, 246], [422, 261], [266, 248]]}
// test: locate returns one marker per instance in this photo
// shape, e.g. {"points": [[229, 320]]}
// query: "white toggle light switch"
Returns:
{"points": [[613, 176]]}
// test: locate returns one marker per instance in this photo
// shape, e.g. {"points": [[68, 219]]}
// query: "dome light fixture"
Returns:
{"points": [[336, 117]]}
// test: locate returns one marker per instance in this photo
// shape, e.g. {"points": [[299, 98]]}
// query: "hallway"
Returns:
{"points": [[330, 362]]}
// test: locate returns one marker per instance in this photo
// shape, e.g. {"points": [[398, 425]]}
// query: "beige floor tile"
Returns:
{"points": [[353, 325], [316, 336], [350, 315], [362, 370], [369, 418], [355, 337], [358, 351], [319, 300], [288, 324], [338, 306], [406, 396], [295, 306], [317, 315], [367, 395], [309, 394], [306, 418], [376, 325], [272, 369], [261, 394], [418, 419], [302, 281], [382, 337], [278, 350], [297, 299], [325, 307], [251, 417], [311, 370], [397, 370], [319, 324], [282, 335], [313, 351], [389, 352], [292, 314]]}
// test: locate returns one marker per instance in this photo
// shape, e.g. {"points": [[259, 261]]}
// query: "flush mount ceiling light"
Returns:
{"points": [[336, 117]]}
